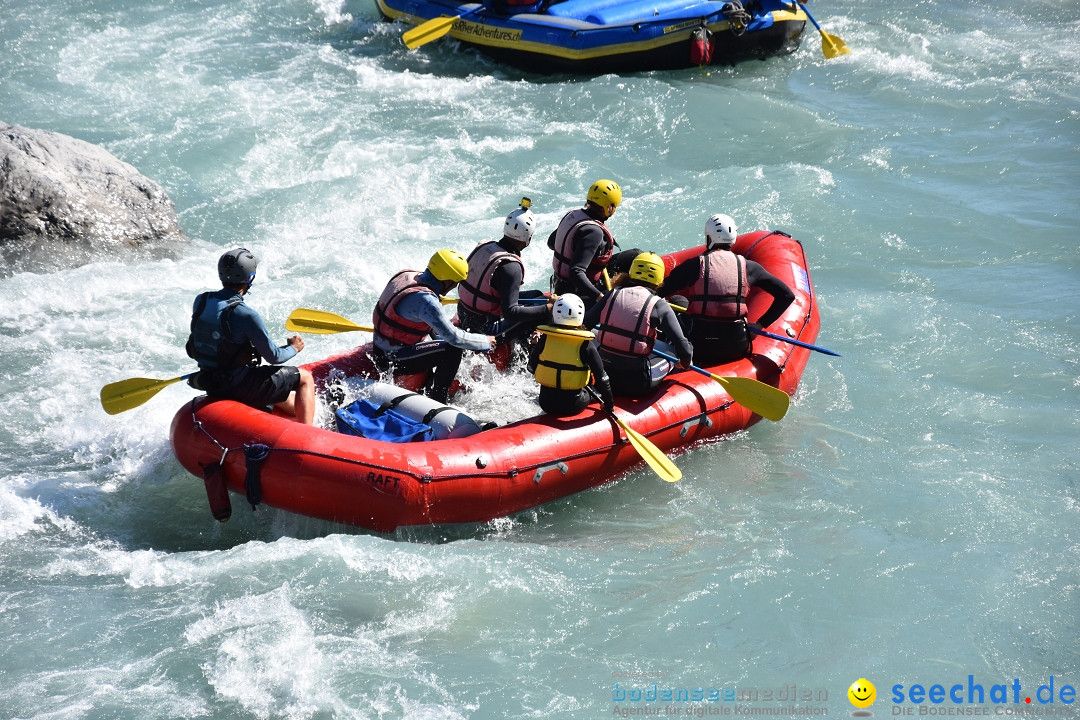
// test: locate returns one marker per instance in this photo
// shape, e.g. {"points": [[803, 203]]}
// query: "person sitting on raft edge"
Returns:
{"points": [[489, 297], [412, 335], [228, 339], [565, 358], [632, 320], [584, 247], [717, 284]]}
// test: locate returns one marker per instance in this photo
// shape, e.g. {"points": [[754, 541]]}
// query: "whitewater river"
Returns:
{"points": [[914, 520]]}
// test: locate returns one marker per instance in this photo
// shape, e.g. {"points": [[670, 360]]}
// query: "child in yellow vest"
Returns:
{"points": [[565, 358]]}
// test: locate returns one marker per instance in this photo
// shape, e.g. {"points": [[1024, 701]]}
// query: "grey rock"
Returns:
{"points": [[65, 202]]}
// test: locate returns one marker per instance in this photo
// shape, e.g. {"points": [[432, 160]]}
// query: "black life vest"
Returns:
{"points": [[211, 342]]}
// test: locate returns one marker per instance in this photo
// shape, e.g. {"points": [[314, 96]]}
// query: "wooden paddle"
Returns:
{"points": [[754, 395], [320, 322], [831, 45], [433, 29], [652, 455], [124, 395]]}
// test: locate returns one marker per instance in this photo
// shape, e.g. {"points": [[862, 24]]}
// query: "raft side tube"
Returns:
{"points": [[647, 10]]}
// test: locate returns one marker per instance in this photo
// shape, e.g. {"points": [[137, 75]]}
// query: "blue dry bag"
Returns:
{"points": [[380, 422]]}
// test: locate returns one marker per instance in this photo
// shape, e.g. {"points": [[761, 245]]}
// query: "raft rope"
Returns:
{"points": [[737, 16], [261, 452]]}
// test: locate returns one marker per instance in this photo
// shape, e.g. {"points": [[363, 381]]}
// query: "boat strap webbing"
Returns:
{"points": [[393, 403], [217, 492], [254, 453]]}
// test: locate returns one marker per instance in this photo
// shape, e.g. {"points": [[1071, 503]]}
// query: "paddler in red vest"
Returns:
{"points": [[489, 297], [716, 285], [564, 359], [409, 312], [632, 321], [584, 246]]}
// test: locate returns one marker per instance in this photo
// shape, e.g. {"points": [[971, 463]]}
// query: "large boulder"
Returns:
{"points": [[65, 202]]}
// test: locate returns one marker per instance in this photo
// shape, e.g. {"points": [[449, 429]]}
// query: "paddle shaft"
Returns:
{"points": [[653, 456], [807, 11], [793, 341], [774, 336], [540, 300]]}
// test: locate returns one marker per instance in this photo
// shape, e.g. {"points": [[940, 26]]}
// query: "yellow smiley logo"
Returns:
{"points": [[862, 693]]}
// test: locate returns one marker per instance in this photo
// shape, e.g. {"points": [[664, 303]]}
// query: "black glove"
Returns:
{"points": [[603, 386]]}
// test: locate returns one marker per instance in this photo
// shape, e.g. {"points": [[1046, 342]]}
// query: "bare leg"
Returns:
{"points": [[305, 398], [301, 402]]}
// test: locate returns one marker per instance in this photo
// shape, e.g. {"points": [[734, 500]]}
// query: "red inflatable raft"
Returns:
{"points": [[382, 486]]}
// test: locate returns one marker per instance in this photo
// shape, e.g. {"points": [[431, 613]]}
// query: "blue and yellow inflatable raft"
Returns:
{"points": [[612, 36]]}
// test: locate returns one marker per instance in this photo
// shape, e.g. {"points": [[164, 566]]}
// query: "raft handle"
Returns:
{"points": [[560, 466], [702, 419]]}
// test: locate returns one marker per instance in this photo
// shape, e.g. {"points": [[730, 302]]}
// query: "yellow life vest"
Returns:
{"points": [[559, 365]]}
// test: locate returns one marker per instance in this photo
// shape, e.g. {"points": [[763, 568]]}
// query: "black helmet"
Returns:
{"points": [[237, 267]]}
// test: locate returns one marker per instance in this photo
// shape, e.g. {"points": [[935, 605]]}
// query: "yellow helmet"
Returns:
{"points": [[604, 193], [448, 265], [648, 267]]}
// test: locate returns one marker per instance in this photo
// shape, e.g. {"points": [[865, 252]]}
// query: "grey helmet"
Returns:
{"points": [[237, 267]]}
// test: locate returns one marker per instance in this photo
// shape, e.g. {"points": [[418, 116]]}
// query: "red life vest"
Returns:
{"points": [[625, 322], [476, 292], [564, 251], [721, 288], [388, 323]]}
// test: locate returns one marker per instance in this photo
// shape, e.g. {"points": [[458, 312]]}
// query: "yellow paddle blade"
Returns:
{"points": [[320, 322], [654, 456], [754, 395], [447, 301], [832, 45], [765, 400], [425, 32], [124, 395]]}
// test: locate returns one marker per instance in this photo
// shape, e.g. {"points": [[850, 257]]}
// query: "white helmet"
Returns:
{"points": [[720, 230], [568, 310], [521, 223]]}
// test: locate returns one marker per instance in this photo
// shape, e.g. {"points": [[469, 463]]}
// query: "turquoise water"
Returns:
{"points": [[913, 520]]}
